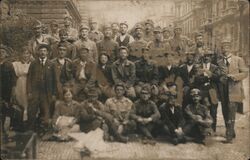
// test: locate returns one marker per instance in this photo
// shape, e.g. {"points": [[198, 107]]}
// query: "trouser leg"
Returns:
{"points": [[32, 113], [213, 113], [230, 134]]}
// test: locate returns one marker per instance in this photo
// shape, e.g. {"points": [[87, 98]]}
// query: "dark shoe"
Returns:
{"points": [[122, 139], [175, 141]]}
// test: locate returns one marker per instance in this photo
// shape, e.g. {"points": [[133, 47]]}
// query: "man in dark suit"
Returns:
{"points": [[41, 87], [205, 80], [187, 73]]}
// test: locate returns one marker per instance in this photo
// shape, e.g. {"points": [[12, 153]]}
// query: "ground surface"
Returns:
{"points": [[239, 150]]}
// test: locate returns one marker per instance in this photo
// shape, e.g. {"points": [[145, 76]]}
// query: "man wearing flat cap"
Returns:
{"points": [[148, 32], [123, 71], [230, 86], [84, 73], [135, 48], [108, 45], [198, 121], [41, 88], [124, 38], [85, 41], [145, 113], [94, 34], [179, 43], [72, 32]]}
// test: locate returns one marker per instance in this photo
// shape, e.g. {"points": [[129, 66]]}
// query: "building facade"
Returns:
{"points": [[48, 10], [216, 19]]}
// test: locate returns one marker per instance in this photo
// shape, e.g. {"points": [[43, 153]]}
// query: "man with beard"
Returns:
{"points": [[148, 33], [85, 41], [136, 47], [145, 113], [124, 38], [108, 45], [94, 34], [230, 87], [206, 80], [72, 32]]}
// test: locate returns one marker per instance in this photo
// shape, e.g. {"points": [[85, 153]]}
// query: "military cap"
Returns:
{"points": [[119, 85], [195, 91], [146, 89], [84, 47], [198, 34], [61, 45], [63, 32], [37, 24], [92, 92], [149, 21], [107, 27], [84, 26], [123, 47], [138, 26], [208, 52], [166, 29], [54, 22], [124, 23], [226, 40], [43, 45], [157, 29], [92, 20], [68, 17], [177, 26]]}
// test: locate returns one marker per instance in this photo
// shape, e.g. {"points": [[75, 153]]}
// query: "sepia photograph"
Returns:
{"points": [[124, 80]]}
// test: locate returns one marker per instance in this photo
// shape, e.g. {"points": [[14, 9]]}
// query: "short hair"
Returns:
{"points": [[119, 85]]}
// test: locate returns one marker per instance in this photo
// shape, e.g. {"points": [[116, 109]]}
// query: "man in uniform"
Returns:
{"points": [[148, 33], [179, 43], [166, 31], [54, 30], [146, 72], [145, 113], [94, 34], [124, 38], [85, 41], [72, 32], [63, 70], [123, 71], [84, 73], [230, 88], [108, 45], [198, 124], [135, 48], [157, 46], [71, 49]]}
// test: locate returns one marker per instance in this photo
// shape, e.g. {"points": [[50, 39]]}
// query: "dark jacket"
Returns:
{"points": [[123, 74], [41, 79]]}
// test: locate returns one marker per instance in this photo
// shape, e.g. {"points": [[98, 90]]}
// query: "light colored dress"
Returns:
{"points": [[21, 71]]}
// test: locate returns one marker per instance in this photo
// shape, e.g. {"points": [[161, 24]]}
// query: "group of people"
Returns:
{"points": [[152, 82]]}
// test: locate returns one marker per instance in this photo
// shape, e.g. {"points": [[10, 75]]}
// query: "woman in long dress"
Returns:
{"points": [[21, 67]]}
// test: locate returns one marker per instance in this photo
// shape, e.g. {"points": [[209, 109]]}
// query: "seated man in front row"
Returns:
{"points": [[145, 113], [172, 120], [198, 123]]}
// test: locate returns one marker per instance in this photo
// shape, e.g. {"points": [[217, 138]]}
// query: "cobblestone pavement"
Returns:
{"points": [[239, 150]]}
